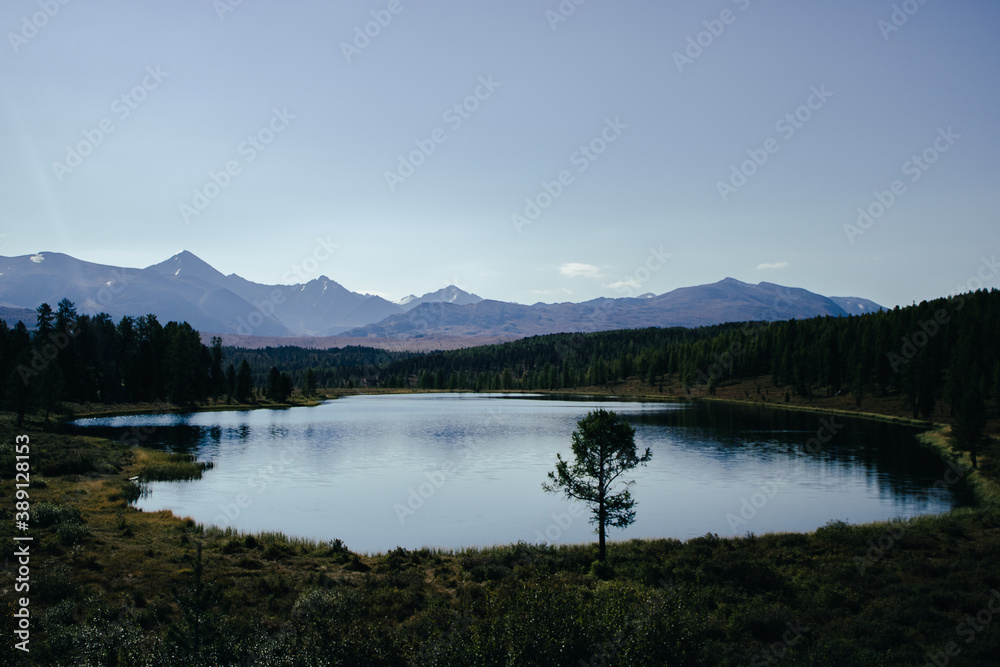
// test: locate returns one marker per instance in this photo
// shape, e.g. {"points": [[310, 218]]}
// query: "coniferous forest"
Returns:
{"points": [[939, 350], [944, 350], [79, 358]]}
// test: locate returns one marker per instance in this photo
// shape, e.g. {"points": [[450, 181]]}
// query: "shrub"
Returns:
{"points": [[602, 570], [71, 533], [46, 514]]}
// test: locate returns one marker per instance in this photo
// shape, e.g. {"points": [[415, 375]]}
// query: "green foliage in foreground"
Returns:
{"points": [[710, 601], [113, 586]]}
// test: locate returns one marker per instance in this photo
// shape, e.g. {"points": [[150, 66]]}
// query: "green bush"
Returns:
{"points": [[602, 569], [45, 514], [71, 533]]}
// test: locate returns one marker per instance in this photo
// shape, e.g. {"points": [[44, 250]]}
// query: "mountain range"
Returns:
{"points": [[184, 287]]}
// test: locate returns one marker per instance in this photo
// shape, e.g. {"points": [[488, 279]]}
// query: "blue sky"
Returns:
{"points": [[663, 144]]}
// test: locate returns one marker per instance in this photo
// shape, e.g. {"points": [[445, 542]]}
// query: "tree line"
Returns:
{"points": [[90, 359], [346, 367], [940, 350]]}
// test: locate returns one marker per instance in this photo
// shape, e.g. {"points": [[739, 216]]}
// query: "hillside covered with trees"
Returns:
{"points": [[945, 349]]}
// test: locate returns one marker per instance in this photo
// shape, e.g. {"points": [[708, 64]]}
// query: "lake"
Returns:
{"points": [[456, 470]]}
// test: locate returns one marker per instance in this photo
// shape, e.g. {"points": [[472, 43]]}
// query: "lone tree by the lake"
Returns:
{"points": [[604, 448]]}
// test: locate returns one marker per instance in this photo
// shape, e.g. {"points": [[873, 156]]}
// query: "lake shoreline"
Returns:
{"points": [[129, 409], [934, 436], [419, 408], [86, 412]]}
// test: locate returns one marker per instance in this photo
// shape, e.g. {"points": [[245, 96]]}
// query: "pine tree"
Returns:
{"points": [[43, 326], [218, 376], [603, 448], [230, 381], [309, 384], [18, 391], [507, 380], [49, 388], [279, 385], [244, 383]]}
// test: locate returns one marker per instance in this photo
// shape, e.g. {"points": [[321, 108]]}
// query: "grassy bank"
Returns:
{"points": [[70, 411], [111, 585]]}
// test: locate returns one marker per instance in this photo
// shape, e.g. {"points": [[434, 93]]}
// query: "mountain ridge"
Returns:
{"points": [[185, 287], [449, 294]]}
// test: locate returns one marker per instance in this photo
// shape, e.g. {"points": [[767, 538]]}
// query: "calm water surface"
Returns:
{"points": [[454, 470]]}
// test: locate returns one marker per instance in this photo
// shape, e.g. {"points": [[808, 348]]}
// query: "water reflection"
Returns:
{"points": [[345, 468]]}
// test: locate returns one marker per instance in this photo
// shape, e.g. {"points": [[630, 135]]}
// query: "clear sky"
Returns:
{"points": [[264, 136]]}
